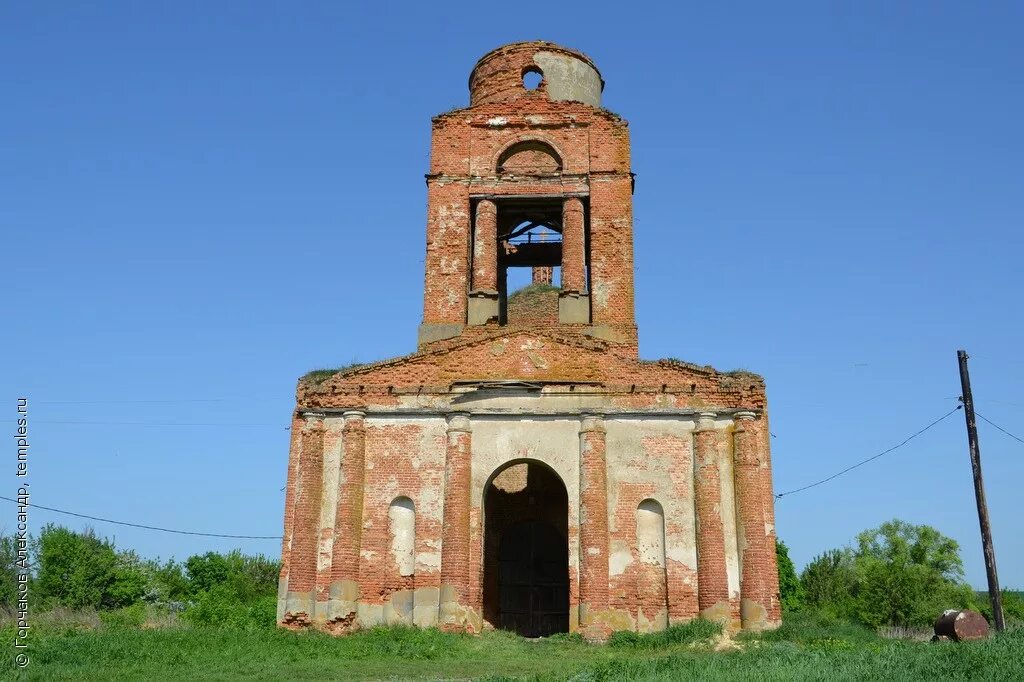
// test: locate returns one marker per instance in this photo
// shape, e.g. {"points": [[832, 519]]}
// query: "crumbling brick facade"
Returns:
{"points": [[524, 469]]}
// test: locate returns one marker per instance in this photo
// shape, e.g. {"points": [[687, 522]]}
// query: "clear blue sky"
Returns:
{"points": [[202, 201]]}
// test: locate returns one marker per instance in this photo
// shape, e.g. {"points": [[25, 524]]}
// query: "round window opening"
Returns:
{"points": [[532, 79]]}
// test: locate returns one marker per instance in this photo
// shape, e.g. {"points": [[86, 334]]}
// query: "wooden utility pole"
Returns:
{"points": [[979, 493]]}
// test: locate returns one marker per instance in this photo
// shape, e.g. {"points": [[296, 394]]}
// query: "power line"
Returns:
{"points": [[115, 423], [870, 459], [150, 402], [1018, 438], [143, 526]]}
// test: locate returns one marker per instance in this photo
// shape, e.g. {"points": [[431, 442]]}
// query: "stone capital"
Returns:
{"points": [[706, 421], [312, 416], [353, 417], [459, 421], [591, 421], [740, 419]]}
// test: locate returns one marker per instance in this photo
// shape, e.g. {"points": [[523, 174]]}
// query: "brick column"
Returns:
{"points": [[763, 435], [712, 579], [759, 607], [573, 254], [751, 522], [485, 246], [483, 295], [344, 590], [301, 593], [573, 299], [454, 612], [593, 527]]}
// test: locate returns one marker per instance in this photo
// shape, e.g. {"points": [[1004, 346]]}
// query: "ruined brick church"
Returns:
{"points": [[524, 469]]}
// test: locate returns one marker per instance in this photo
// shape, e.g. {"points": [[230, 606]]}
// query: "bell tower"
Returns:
{"points": [[533, 174]]}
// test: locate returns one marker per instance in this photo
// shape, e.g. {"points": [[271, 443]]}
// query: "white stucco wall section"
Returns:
{"points": [[728, 489], [553, 441], [329, 494]]}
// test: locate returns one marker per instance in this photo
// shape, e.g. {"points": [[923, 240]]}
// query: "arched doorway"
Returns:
{"points": [[526, 550]]}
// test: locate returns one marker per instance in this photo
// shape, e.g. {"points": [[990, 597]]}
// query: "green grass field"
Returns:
{"points": [[799, 651]]}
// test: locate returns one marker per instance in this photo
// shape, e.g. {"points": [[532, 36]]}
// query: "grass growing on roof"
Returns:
{"points": [[535, 288], [318, 376]]}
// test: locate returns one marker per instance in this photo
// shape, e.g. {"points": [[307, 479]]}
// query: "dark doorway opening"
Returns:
{"points": [[526, 551], [533, 580]]}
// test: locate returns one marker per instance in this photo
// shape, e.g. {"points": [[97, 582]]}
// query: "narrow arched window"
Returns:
{"points": [[650, 533], [402, 523]]}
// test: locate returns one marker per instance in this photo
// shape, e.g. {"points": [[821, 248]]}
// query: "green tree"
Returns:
{"points": [[829, 582], [76, 570], [907, 575], [244, 575], [168, 581], [252, 576], [205, 571], [132, 579], [82, 570], [790, 590]]}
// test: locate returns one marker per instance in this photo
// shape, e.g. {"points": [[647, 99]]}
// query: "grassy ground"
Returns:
{"points": [[801, 650]]}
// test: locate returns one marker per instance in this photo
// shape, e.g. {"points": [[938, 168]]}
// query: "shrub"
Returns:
{"points": [[128, 617], [168, 582], [221, 607], [248, 577], [131, 579], [206, 571], [1013, 606], [81, 570]]}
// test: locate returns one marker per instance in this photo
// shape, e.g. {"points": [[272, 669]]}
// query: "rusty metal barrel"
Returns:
{"points": [[961, 626]]}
